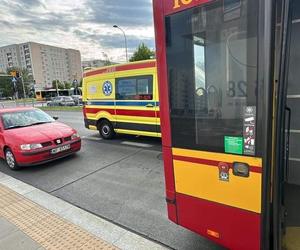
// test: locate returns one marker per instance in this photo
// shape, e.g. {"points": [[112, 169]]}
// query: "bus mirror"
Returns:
{"points": [[55, 118]]}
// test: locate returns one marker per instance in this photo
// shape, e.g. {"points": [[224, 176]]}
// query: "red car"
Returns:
{"points": [[29, 136]]}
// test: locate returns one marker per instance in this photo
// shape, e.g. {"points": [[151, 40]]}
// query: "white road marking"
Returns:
{"points": [[91, 138], [136, 144]]}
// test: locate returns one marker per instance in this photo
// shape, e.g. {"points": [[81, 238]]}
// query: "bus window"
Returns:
{"points": [[137, 88], [212, 71]]}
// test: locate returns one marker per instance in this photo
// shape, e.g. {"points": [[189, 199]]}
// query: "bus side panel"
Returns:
{"points": [[230, 210], [164, 108], [231, 227], [170, 184]]}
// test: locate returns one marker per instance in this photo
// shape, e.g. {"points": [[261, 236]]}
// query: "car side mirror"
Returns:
{"points": [[55, 118]]}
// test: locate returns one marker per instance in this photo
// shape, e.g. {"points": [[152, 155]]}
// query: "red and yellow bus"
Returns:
{"points": [[45, 95], [229, 91]]}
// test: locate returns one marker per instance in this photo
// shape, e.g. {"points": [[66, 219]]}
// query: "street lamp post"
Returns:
{"points": [[116, 26], [23, 85], [56, 83]]}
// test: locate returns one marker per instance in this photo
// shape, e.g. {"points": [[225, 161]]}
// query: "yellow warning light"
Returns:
{"points": [[213, 234]]}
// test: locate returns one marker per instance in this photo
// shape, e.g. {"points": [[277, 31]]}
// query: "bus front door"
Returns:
{"points": [[288, 171]]}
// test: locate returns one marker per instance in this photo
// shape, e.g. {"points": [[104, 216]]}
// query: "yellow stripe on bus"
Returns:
{"points": [[202, 181], [252, 161]]}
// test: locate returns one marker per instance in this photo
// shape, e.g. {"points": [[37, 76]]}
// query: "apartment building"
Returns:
{"points": [[45, 63]]}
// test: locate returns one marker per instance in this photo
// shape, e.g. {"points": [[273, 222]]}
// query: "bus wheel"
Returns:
{"points": [[106, 130]]}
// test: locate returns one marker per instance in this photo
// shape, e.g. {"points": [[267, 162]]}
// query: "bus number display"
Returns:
{"points": [[179, 3], [238, 89]]}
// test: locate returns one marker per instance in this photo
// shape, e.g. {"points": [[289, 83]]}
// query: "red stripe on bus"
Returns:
{"points": [[121, 68], [237, 228], [213, 163]]}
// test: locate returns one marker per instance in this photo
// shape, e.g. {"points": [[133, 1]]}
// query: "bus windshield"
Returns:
{"points": [[212, 75]]}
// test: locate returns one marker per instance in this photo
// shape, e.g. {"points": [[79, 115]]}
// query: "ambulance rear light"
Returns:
{"points": [[84, 111]]}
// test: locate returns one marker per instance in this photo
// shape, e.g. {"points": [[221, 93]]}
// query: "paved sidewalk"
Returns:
{"points": [[38, 227], [12, 238], [32, 219]]}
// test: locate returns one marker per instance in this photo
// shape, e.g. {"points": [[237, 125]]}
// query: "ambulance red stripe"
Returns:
{"points": [[118, 68], [125, 112]]}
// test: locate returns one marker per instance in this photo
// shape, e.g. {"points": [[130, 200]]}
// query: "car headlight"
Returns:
{"points": [[31, 146], [75, 136]]}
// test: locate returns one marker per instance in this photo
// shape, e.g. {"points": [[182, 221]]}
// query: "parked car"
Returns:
{"points": [[61, 101], [6, 98], [29, 136]]}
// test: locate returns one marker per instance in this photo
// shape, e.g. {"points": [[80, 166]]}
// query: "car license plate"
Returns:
{"points": [[60, 149]]}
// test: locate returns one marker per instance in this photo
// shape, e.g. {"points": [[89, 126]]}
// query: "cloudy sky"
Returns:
{"points": [[80, 24]]}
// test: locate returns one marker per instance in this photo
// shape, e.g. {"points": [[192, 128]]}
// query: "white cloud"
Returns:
{"points": [[80, 24]]}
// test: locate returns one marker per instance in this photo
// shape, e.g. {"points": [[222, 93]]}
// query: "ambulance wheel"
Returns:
{"points": [[106, 129]]}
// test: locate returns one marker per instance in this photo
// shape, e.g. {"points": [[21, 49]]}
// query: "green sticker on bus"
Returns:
{"points": [[233, 145]]}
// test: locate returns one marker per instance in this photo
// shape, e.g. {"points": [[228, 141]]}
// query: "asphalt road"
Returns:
{"points": [[121, 180]]}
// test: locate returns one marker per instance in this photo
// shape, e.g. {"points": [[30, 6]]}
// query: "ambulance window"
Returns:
{"points": [[134, 88]]}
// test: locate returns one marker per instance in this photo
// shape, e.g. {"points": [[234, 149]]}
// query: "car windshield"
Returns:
{"points": [[25, 118]]}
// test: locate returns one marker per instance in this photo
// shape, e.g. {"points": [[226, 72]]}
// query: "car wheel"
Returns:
{"points": [[106, 130], [11, 160]]}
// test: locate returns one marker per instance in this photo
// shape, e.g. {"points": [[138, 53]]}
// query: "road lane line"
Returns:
{"points": [[137, 144], [91, 138]]}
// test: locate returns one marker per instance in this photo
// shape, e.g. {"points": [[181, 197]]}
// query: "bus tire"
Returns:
{"points": [[106, 129]]}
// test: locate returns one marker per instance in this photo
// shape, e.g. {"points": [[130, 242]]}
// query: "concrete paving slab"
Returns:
{"points": [[2, 175], [48, 201], [18, 241], [18, 186], [6, 228], [96, 225]]}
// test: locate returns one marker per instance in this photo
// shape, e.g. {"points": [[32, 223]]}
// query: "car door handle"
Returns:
{"points": [[149, 105]]}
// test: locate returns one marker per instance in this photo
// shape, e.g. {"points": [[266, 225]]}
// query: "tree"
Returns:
{"points": [[142, 53], [6, 87], [59, 84], [25, 77], [68, 85]]}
